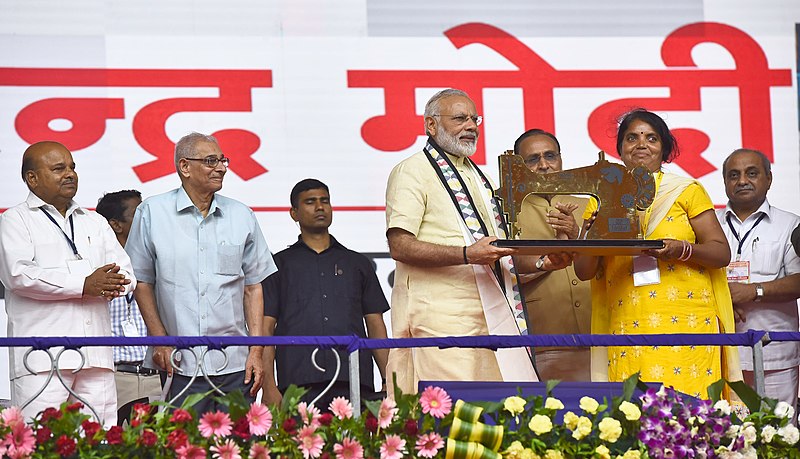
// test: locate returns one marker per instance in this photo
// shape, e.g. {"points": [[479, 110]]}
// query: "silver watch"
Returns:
{"points": [[540, 264], [759, 293]]}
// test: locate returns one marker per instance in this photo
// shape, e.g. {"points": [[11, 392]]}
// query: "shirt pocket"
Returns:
{"points": [[229, 259], [767, 258], [50, 255]]}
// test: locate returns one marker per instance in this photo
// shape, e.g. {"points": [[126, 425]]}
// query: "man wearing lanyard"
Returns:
{"points": [[764, 273], [60, 265], [135, 383]]}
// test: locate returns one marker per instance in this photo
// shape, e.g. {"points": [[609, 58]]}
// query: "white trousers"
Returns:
{"points": [[95, 385]]}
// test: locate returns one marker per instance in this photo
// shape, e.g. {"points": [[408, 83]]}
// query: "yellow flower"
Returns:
{"points": [[540, 424], [570, 420], [632, 454], [631, 411], [514, 451], [514, 405], [528, 453], [553, 404], [610, 429], [553, 454], [589, 405], [603, 452], [583, 428]]}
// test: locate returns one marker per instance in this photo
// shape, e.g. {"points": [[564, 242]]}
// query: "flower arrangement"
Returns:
{"points": [[658, 424]]}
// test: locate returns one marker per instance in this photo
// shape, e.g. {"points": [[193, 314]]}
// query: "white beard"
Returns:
{"points": [[451, 144]]}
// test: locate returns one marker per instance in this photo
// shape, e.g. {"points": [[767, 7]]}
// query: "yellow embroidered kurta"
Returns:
{"points": [[682, 302]]}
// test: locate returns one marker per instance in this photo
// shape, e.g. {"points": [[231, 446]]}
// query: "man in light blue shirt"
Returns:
{"points": [[200, 258]]}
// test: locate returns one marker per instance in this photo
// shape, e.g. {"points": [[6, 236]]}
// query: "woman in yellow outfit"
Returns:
{"points": [[681, 288]]}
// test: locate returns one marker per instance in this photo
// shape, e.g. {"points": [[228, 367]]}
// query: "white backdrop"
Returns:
{"points": [[334, 90]]}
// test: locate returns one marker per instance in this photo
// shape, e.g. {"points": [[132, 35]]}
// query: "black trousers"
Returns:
{"points": [[226, 383]]}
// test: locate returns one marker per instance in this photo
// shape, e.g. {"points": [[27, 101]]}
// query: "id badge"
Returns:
{"points": [[129, 329], [80, 267], [645, 271], [738, 271]]}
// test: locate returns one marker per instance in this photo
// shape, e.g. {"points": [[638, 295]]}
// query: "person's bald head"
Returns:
{"points": [[49, 172], [32, 154]]}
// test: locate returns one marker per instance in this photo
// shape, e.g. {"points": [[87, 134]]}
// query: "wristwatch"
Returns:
{"points": [[540, 264], [759, 293]]}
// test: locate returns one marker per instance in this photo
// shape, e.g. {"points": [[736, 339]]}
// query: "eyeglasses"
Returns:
{"points": [[211, 161], [463, 119], [549, 157]]}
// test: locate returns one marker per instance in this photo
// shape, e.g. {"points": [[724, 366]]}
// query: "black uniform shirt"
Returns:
{"points": [[321, 294]]}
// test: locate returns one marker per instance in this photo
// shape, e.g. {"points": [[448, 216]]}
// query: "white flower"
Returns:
{"points": [[790, 434], [750, 435], [767, 433], [784, 410], [749, 453], [733, 431], [723, 406]]}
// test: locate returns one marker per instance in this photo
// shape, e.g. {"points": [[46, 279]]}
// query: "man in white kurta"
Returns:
{"points": [[60, 264], [445, 283]]}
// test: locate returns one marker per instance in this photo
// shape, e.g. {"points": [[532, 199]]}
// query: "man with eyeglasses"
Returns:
{"points": [[557, 301], [201, 257], [450, 281]]}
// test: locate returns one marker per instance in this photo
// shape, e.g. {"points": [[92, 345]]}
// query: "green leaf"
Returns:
{"points": [[715, 390], [551, 384], [291, 396], [629, 386], [374, 406], [237, 405], [194, 399], [747, 395]]}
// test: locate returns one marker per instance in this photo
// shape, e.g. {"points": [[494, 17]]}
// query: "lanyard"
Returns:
{"points": [[70, 241], [744, 238], [129, 299]]}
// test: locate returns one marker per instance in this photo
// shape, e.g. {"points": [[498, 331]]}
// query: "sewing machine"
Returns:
{"points": [[619, 191]]}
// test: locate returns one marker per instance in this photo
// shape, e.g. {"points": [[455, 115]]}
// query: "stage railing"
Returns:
{"points": [[755, 339]]}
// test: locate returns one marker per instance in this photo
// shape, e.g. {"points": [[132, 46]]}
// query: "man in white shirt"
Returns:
{"points": [[60, 264], [764, 273]]}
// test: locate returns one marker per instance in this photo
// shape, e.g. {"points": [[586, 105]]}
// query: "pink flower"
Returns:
{"points": [[188, 451], [309, 414], [260, 419], [387, 413], [434, 400], [309, 443], [20, 441], [341, 408], [227, 450], [12, 416], [393, 448], [428, 445], [215, 424], [348, 449], [259, 451]]}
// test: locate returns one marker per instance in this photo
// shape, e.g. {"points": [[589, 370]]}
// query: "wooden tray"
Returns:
{"points": [[596, 247]]}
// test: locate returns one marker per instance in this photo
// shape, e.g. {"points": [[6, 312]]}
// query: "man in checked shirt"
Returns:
{"points": [[135, 384]]}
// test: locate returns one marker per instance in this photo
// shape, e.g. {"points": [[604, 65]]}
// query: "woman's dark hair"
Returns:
{"points": [[669, 149]]}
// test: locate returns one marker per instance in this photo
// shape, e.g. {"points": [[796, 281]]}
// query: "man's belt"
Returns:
{"points": [[135, 368]]}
